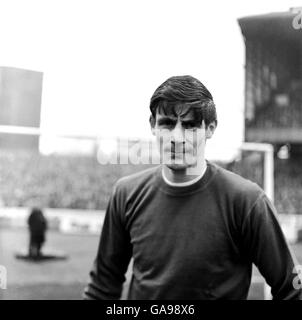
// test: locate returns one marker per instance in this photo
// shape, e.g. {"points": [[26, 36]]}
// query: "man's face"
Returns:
{"points": [[181, 137]]}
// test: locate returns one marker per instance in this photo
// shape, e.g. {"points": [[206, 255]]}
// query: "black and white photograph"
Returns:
{"points": [[150, 151]]}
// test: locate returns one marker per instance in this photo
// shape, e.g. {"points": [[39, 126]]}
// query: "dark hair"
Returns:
{"points": [[37, 213], [186, 90]]}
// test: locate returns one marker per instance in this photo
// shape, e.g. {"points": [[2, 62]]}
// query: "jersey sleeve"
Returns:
{"points": [[113, 256], [265, 244]]}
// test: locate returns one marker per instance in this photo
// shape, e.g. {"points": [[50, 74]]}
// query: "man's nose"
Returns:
{"points": [[178, 134]]}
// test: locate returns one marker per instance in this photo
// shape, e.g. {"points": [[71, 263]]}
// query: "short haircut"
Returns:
{"points": [[185, 90]]}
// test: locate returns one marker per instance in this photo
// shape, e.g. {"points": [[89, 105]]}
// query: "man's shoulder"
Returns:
{"points": [[235, 183], [138, 179], [239, 193]]}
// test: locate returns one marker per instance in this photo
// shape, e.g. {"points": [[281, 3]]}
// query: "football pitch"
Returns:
{"points": [[62, 279]]}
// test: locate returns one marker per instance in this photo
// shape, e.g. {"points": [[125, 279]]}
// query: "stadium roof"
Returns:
{"points": [[278, 25]]}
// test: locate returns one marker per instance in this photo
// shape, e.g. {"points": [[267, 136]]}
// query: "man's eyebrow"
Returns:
{"points": [[189, 120]]}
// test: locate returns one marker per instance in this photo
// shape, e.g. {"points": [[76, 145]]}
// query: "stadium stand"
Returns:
{"points": [[82, 183]]}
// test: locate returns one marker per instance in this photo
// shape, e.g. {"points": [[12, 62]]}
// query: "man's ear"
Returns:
{"points": [[210, 129], [152, 124]]}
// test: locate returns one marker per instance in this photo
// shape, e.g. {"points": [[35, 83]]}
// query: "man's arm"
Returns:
{"points": [[265, 244], [113, 256]]}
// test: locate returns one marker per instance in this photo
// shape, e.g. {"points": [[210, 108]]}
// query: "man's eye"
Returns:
{"points": [[167, 124], [189, 125]]}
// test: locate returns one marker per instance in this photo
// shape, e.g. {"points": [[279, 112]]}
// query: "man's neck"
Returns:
{"points": [[186, 175]]}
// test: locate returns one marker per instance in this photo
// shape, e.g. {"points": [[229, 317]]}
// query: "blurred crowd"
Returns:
{"points": [[283, 110], [30, 180], [287, 180], [33, 180]]}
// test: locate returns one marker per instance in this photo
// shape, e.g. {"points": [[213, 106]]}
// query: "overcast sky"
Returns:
{"points": [[102, 60]]}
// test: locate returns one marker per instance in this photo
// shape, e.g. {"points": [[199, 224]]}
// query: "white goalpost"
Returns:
{"points": [[268, 181], [268, 150]]}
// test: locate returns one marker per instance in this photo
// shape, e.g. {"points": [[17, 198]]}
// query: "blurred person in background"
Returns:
{"points": [[37, 224], [192, 228]]}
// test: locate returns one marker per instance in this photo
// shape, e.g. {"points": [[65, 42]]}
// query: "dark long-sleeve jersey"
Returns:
{"points": [[192, 242]]}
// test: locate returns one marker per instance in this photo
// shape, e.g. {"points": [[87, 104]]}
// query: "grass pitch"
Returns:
{"points": [[64, 279]]}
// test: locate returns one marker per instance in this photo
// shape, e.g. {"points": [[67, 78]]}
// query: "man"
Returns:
{"points": [[37, 227], [192, 228]]}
